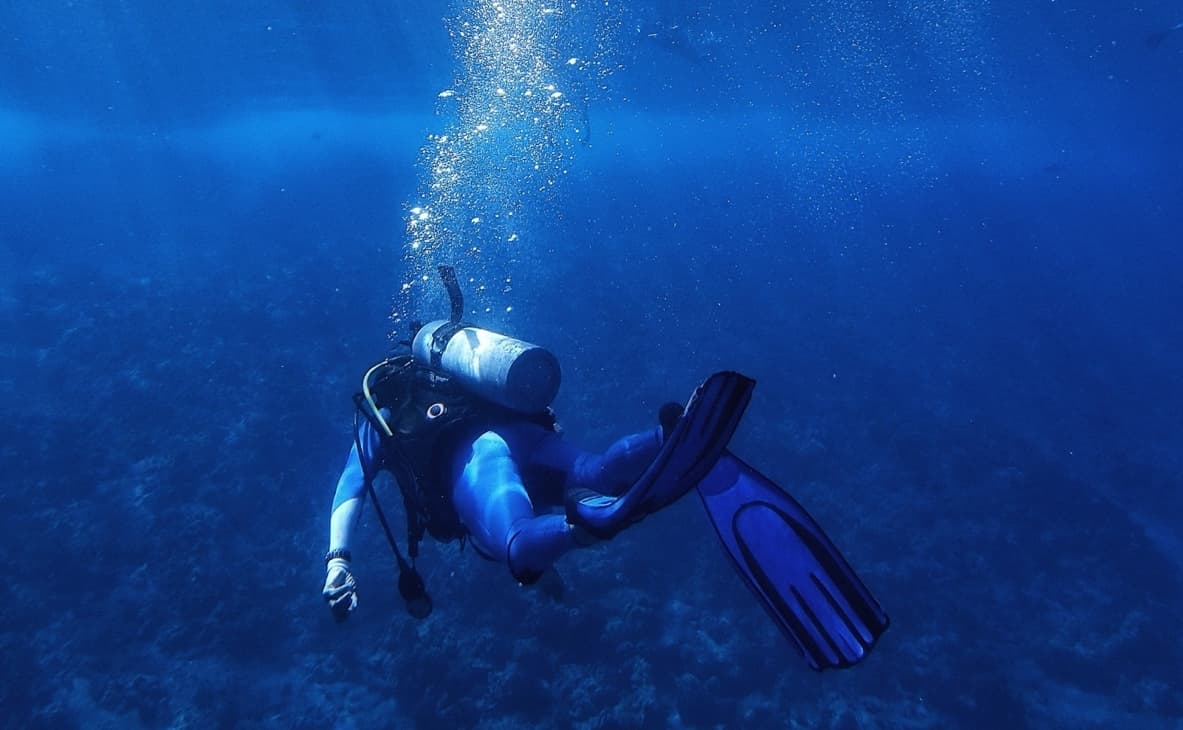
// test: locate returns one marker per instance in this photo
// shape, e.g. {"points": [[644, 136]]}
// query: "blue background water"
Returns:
{"points": [[943, 236]]}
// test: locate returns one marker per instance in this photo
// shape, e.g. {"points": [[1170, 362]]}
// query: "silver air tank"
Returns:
{"points": [[516, 374]]}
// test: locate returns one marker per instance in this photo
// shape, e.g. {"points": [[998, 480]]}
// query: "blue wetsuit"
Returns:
{"points": [[509, 518]]}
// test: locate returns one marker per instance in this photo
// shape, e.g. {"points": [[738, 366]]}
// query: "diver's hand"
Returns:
{"points": [[340, 589]]}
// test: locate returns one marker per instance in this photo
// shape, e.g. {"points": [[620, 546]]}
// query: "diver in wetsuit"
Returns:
{"points": [[463, 423], [499, 480], [464, 426]]}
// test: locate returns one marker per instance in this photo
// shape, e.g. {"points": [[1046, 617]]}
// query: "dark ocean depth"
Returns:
{"points": [[944, 237]]}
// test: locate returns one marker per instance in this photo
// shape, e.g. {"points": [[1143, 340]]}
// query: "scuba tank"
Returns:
{"points": [[518, 375]]}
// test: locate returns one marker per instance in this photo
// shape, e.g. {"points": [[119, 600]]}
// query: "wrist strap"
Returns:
{"points": [[341, 553]]}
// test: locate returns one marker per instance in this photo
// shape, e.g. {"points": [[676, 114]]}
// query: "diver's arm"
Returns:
{"points": [[350, 496], [340, 588], [347, 504]]}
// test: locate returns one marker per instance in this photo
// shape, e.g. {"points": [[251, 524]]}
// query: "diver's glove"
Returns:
{"points": [[340, 590]]}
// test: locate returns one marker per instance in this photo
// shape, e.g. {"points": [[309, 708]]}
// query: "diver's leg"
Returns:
{"points": [[614, 470], [695, 440], [541, 451], [496, 509]]}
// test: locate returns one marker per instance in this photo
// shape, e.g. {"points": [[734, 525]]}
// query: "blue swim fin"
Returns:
{"points": [[792, 566], [694, 444]]}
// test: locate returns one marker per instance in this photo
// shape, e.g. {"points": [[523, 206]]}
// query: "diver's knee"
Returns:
{"points": [[490, 444]]}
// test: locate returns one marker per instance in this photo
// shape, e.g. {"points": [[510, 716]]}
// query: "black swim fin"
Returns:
{"points": [[692, 446], [792, 566]]}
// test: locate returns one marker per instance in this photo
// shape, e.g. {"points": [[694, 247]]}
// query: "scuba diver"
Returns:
{"points": [[463, 424]]}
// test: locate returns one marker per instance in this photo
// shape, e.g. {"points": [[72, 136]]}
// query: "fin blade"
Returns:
{"points": [[792, 567]]}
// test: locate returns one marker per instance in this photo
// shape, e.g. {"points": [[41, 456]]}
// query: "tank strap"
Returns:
{"points": [[443, 334], [440, 339]]}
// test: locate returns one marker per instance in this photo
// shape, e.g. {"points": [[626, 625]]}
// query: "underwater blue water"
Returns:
{"points": [[943, 237]]}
